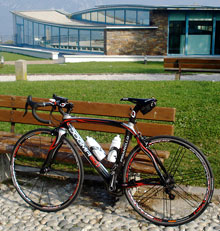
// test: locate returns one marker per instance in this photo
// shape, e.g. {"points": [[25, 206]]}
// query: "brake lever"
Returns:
{"points": [[26, 109], [29, 99]]}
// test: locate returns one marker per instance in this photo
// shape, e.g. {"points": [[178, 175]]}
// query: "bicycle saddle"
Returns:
{"points": [[144, 105], [59, 98]]}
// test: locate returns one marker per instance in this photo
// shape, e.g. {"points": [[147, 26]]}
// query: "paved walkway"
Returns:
{"points": [[127, 77], [94, 210], [34, 62]]}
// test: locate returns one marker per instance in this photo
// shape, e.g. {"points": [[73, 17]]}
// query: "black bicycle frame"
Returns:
{"points": [[130, 131]]}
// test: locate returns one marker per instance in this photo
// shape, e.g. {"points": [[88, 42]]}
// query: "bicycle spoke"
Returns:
{"points": [[59, 185], [190, 196], [165, 206], [42, 190], [184, 167], [148, 195], [176, 161], [30, 191]]}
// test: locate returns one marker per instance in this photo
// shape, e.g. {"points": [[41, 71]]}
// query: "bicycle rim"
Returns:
{"points": [[54, 189], [190, 186]]}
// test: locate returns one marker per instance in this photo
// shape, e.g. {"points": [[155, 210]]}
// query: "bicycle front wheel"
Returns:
{"points": [[52, 188], [189, 182]]}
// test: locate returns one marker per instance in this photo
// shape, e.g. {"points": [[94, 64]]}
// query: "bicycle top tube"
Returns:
{"points": [[143, 105]]}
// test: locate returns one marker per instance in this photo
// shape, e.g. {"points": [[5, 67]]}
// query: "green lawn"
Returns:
{"points": [[13, 57], [98, 67], [197, 103], [81, 68], [89, 68]]}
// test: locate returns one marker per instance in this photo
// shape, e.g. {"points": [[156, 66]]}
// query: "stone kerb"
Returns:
{"points": [[21, 69]]}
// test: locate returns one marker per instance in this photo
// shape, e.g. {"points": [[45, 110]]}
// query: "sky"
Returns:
{"points": [[70, 6]]}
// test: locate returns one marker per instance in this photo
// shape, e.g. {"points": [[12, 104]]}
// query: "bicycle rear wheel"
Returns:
{"points": [[59, 184], [188, 189]]}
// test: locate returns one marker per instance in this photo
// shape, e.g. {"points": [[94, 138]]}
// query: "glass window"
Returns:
{"points": [[200, 16], [177, 31], [217, 38], [200, 37], [64, 40], [86, 16], [19, 33], [94, 16], [177, 16], [110, 14], [119, 17], [25, 31], [101, 16], [143, 17], [55, 37], [36, 34], [48, 36], [73, 39], [28, 36], [42, 35], [217, 16], [131, 16], [84, 39], [97, 40], [30, 28]]}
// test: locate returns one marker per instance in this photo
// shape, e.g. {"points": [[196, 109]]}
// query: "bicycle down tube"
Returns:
{"points": [[129, 127]]}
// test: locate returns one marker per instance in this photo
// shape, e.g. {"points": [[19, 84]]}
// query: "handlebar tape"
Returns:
{"points": [[34, 106]]}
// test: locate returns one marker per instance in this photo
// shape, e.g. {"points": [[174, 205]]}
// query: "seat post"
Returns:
{"points": [[133, 114]]}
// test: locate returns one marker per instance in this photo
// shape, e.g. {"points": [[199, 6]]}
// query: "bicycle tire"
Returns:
{"points": [[191, 190], [60, 185]]}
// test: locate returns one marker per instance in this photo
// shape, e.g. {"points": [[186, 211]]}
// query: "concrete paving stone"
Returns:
{"points": [[126, 77], [74, 216]]}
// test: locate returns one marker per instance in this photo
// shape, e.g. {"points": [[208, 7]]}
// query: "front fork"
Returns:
{"points": [[55, 146]]}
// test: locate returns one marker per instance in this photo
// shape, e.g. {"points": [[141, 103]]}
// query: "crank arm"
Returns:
{"points": [[138, 183]]}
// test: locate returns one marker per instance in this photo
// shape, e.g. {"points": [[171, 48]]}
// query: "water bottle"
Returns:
{"points": [[114, 147], [95, 148]]}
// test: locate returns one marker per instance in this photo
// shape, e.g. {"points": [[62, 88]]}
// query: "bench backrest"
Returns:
{"points": [[12, 110], [198, 64]]}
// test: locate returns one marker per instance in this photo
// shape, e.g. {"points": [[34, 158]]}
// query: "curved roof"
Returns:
{"points": [[56, 17], [53, 17], [149, 7]]}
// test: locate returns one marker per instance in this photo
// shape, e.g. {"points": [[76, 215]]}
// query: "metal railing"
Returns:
{"points": [[6, 39]]}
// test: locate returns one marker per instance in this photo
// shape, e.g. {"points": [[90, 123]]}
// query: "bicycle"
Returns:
{"points": [[178, 191]]}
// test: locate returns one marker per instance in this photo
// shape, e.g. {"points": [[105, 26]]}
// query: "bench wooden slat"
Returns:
{"points": [[192, 60], [180, 64], [92, 108], [140, 167], [190, 66], [147, 129]]}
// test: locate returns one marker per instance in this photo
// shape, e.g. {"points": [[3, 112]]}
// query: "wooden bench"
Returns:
{"points": [[12, 110], [180, 64]]}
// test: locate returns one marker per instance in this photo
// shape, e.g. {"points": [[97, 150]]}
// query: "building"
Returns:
{"points": [[123, 30]]}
